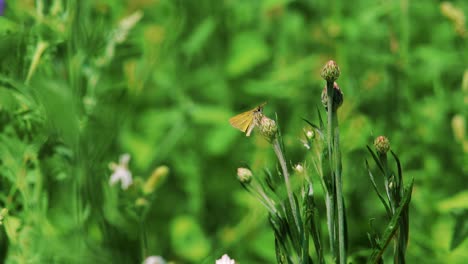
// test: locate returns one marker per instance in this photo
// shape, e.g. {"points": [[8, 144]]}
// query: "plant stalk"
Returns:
{"points": [[284, 168], [334, 155]]}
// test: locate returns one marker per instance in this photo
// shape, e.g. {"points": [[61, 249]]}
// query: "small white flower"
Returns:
{"points": [[121, 172], [225, 259], [299, 168], [154, 260], [306, 144], [309, 134]]}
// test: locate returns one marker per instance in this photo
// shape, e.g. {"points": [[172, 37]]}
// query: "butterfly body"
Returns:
{"points": [[247, 120]]}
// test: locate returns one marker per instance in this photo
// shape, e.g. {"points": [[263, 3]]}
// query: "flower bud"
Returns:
{"points": [[156, 179], [331, 71], [268, 128], [337, 97], [141, 202], [244, 175], [299, 168], [459, 127], [382, 145]]}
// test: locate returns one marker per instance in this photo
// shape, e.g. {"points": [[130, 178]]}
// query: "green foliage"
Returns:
{"points": [[82, 82]]}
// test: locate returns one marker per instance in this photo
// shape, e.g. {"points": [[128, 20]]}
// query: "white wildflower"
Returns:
{"points": [[299, 168], [154, 260], [306, 144], [225, 259], [121, 172]]}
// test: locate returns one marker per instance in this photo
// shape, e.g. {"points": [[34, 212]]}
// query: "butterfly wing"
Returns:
{"points": [[245, 121], [242, 121]]}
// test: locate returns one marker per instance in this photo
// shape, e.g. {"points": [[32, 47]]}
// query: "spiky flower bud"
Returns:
{"points": [[331, 71], [382, 145], [337, 97], [244, 175], [268, 128]]}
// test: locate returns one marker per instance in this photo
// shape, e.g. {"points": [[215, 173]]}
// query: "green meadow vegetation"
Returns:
{"points": [[116, 144]]}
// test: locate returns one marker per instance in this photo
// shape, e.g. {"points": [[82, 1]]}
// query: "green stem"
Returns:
{"points": [[339, 190], [143, 237], [331, 191], [334, 155], [330, 207], [284, 168]]}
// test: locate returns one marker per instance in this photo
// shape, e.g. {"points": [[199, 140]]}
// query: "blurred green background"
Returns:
{"points": [[82, 82]]}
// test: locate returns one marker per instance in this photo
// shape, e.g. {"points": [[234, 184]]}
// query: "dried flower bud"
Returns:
{"points": [[268, 128], [331, 71], [156, 179], [337, 97], [382, 145], [244, 175]]}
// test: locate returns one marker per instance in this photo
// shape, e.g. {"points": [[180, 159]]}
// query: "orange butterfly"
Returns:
{"points": [[246, 121]]}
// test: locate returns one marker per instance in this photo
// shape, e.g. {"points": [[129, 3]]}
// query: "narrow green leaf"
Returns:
{"points": [[311, 124], [381, 198], [460, 230], [392, 227], [400, 174], [376, 159], [292, 228]]}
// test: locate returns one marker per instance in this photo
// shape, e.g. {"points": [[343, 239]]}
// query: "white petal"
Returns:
{"points": [[124, 159], [114, 179], [126, 180], [154, 260], [225, 259]]}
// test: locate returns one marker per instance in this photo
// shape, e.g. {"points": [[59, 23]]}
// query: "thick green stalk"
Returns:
{"points": [[339, 192], [330, 206], [335, 167], [331, 201]]}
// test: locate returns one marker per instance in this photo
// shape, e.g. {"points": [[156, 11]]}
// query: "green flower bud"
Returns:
{"points": [[244, 175], [382, 145], [268, 128], [331, 71], [156, 179], [337, 97], [141, 202]]}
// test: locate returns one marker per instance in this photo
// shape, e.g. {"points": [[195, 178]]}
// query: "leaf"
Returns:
{"points": [[188, 239], [248, 50], [376, 159], [460, 231], [400, 174], [12, 225], [312, 125], [200, 36], [457, 201], [392, 227], [371, 176]]}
